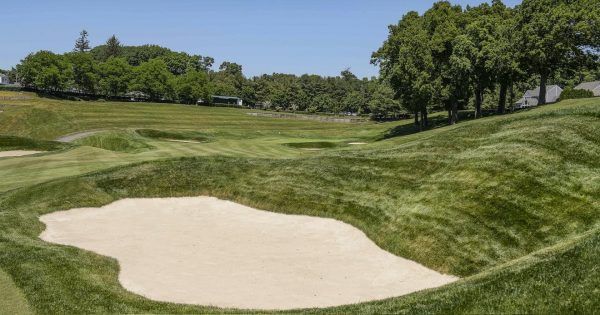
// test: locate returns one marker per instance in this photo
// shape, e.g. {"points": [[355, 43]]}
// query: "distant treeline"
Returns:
{"points": [[113, 70], [450, 58]]}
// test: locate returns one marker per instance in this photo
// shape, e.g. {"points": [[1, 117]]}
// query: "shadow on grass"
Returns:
{"points": [[435, 121]]}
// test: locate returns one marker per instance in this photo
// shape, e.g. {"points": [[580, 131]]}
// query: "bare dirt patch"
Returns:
{"points": [[203, 250]]}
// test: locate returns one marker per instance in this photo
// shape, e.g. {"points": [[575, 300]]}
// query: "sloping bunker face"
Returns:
{"points": [[207, 251]]}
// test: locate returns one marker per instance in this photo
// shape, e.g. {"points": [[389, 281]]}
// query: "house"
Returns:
{"points": [[593, 87], [4, 79], [225, 100], [530, 98], [137, 96]]}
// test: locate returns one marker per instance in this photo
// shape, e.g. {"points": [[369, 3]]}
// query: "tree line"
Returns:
{"points": [[450, 58], [113, 70]]}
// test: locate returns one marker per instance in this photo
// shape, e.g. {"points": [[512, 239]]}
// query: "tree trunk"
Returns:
{"points": [[478, 100], [512, 96], [454, 113], [543, 83], [425, 119], [502, 100], [417, 119]]}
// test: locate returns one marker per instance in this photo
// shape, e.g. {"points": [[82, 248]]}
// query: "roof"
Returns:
{"points": [[536, 92], [588, 86], [227, 97]]}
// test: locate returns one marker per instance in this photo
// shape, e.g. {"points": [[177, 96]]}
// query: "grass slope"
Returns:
{"points": [[474, 200], [120, 141], [20, 143], [13, 300]]}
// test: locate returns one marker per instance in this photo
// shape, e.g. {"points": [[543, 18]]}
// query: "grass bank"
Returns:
{"points": [[510, 203]]}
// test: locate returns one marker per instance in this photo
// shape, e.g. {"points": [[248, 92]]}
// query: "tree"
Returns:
{"points": [[192, 86], [44, 70], [382, 105], [555, 34], [113, 47], [406, 62], [115, 75], [82, 44], [154, 79], [84, 71], [354, 102]]}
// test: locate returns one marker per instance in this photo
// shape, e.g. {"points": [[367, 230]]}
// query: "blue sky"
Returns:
{"points": [[265, 36]]}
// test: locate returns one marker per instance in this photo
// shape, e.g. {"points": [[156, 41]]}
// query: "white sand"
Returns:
{"points": [[17, 153], [357, 143], [202, 250]]}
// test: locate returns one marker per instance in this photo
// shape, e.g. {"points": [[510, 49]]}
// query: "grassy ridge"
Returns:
{"points": [[13, 301], [467, 200], [121, 141], [20, 143]]}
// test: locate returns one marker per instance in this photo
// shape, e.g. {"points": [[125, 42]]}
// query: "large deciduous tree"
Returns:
{"points": [[154, 79], [556, 34], [115, 75], [84, 71]]}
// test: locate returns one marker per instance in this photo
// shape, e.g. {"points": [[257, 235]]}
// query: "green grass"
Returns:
{"points": [[120, 141], [20, 143], [509, 203], [313, 145], [173, 135], [13, 300]]}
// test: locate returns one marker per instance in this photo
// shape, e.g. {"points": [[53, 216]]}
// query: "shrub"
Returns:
{"points": [[571, 93]]}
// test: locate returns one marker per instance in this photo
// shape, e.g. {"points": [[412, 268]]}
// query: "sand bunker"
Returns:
{"points": [[357, 143], [203, 250], [17, 153]]}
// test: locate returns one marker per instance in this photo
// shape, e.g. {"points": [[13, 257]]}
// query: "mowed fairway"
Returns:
{"points": [[510, 203]]}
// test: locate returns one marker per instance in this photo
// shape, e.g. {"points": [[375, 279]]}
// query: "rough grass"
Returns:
{"points": [[510, 203], [313, 145], [121, 141], [20, 143], [173, 135], [12, 300]]}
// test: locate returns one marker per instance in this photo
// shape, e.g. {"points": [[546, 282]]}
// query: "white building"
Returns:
{"points": [[530, 98], [4, 79], [593, 87]]}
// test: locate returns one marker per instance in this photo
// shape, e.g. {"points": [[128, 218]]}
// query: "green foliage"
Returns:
{"points": [[82, 44], [571, 93], [192, 86], [113, 47], [115, 75], [449, 58], [85, 76], [154, 79], [44, 70]]}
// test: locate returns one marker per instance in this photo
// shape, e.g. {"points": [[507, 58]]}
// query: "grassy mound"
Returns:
{"points": [[510, 203], [173, 135], [313, 145], [121, 141], [20, 143]]}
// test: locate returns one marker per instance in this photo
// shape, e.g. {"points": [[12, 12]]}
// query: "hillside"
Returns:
{"points": [[508, 203]]}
